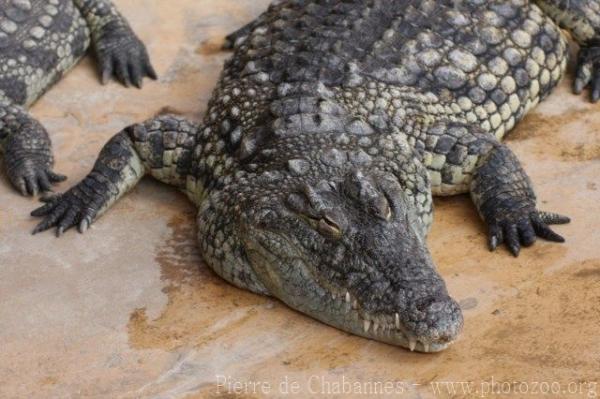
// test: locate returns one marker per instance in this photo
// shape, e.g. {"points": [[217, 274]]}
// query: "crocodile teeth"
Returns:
{"points": [[412, 344], [375, 327], [366, 325], [397, 321], [426, 347], [347, 297], [355, 304], [333, 296]]}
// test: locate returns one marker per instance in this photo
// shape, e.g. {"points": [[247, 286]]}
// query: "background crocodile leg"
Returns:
{"points": [[27, 151], [117, 48], [582, 19], [161, 147]]}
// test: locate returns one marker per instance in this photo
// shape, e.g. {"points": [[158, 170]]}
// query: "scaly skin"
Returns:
{"points": [[332, 126], [40, 40]]}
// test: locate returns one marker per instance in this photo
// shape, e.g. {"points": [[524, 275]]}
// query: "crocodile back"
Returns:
{"points": [[492, 60]]}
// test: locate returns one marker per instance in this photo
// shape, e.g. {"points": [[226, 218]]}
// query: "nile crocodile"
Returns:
{"points": [[40, 40], [332, 126]]}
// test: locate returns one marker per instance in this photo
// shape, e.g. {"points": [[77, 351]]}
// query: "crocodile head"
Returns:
{"points": [[351, 253]]}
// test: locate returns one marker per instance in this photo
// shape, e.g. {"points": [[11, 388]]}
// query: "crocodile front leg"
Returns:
{"points": [[27, 151], [118, 49], [161, 147], [461, 157], [504, 197]]}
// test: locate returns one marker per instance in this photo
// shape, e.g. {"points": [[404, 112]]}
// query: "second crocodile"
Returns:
{"points": [[40, 40]]}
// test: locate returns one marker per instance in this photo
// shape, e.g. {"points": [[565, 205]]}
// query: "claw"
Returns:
{"points": [[150, 72], [107, 69], [578, 86], [32, 188], [596, 90], [515, 249], [56, 177], [540, 222], [526, 233], [45, 225], [49, 197], [493, 243], [22, 187], [495, 237], [135, 73], [121, 72], [68, 220], [512, 240], [43, 210], [547, 234], [84, 225], [44, 182], [553, 218]]}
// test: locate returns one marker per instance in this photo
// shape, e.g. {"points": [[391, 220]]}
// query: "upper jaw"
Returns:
{"points": [[386, 328]]}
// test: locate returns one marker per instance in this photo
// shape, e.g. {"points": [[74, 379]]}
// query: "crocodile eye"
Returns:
{"points": [[329, 227], [382, 209]]}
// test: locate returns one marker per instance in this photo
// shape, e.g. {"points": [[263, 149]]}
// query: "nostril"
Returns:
{"points": [[437, 306], [431, 304]]}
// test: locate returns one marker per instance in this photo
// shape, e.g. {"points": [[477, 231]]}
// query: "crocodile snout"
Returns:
{"points": [[432, 323]]}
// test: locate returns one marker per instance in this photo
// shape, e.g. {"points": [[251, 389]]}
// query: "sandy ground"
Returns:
{"points": [[129, 310]]}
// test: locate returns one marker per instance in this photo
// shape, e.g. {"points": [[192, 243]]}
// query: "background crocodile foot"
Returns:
{"points": [[588, 70]]}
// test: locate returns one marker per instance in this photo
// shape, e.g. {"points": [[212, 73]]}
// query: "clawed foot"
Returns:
{"points": [[523, 229], [588, 70], [77, 207], [32, 176], [124, 56]]}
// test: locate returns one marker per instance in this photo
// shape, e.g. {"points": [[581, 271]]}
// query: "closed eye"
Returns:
{"points": [[329, 227]]}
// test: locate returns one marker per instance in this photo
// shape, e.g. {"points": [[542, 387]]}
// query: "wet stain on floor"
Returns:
{"points": [[195, 296], [211, 46]]}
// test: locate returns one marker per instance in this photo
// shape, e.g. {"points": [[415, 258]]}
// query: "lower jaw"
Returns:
{"points": [[414, 346], [389, 334], [397, 337]]}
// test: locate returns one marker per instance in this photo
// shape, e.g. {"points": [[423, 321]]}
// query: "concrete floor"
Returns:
{"points": [[128, 310]]}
